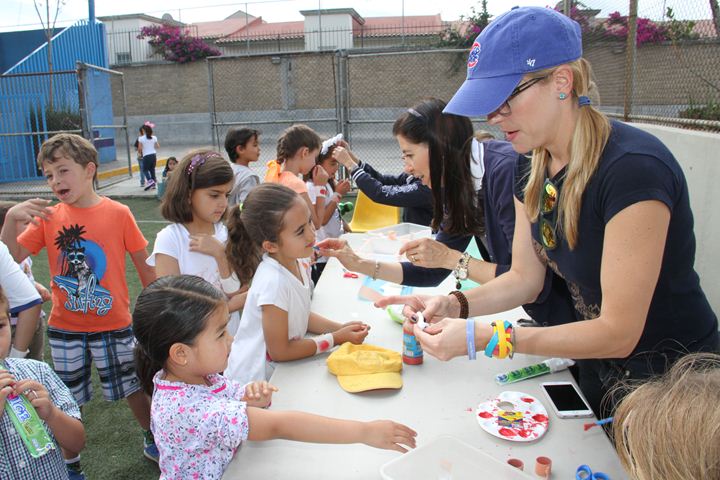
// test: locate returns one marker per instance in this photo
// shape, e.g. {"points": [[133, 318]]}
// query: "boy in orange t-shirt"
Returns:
{"points": [[86, 237]]}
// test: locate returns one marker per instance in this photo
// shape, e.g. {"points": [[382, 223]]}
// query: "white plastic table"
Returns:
{"points": [[436, 398]]}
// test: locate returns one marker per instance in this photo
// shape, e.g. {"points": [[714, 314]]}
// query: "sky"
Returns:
{"points": [[21, 15]]}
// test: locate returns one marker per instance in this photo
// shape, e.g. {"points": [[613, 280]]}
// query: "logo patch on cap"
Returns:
{"points": [[474, 55]]}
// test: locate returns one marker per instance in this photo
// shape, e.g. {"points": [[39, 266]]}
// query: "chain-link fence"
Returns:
{"points": [[107, 129], [33, 107], [670, 74], [277, 91], [36, 106]]}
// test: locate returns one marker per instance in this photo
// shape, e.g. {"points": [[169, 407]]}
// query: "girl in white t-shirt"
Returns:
{"points": [[196, 200], [271, 240], [325, 194], [147, 145]]}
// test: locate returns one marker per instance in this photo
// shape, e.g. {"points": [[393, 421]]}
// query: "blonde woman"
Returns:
{"points": [[668, 428], [602, 204]]}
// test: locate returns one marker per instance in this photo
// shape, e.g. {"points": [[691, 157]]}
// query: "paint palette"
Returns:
{"points": [[513, 416]]}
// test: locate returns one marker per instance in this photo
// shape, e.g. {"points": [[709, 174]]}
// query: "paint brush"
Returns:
{"points": [[604, 421]]}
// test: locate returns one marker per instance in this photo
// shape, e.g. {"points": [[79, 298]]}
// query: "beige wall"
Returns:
{"points": [[666, 75]]}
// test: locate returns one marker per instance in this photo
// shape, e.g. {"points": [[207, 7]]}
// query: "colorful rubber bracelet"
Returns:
{"points": [[470, 337], [505, 347], [490, 347]]}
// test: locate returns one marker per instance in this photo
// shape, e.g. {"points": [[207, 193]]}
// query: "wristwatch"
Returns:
{"points": [[461, 269]]}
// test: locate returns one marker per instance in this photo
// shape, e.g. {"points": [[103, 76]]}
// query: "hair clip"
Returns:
{"points": [[200, 159], [149, 124], [583, 101], [330, 142], [414, 113]]}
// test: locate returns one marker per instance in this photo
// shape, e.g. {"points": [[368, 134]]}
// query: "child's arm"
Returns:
{"points": [[275, 329], [342, 188], [26, 211], [145, 271], [282, 349], [237, 301], [209, 245], [313, 210], [258, 394], [69, 432], [353, 332], [166, 265], [306, 427]]}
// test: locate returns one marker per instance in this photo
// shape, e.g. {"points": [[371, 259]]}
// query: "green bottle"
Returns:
{"points": [[28, 424]]}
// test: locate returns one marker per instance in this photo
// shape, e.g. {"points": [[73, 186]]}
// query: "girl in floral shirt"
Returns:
{"points": [[199, 418]]}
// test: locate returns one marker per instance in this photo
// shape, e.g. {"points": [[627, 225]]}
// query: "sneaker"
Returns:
{"points": [[75, 475], [150, 184], [151, 452]]}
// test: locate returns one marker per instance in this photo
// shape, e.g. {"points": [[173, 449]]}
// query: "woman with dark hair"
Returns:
{"points": [[147, 147], [478, 202]]}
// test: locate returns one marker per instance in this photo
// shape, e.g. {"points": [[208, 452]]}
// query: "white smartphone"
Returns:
{"points": [[566, 400]]}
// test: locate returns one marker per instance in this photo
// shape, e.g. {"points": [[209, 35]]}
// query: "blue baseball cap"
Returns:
{"points": [[523, 40]]}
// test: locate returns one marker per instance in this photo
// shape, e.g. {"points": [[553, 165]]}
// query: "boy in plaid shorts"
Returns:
{"points": [[86, 237]]}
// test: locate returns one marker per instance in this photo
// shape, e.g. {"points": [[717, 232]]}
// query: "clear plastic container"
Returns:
{"points": [[449, 458], [388, 240]]}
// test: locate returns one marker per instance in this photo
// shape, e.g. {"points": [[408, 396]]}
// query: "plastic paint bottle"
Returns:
{"points": [[412, 351], [550, 365], [28, 424]]}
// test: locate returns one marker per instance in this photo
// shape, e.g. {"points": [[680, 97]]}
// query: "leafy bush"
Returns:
{"points": [[648, 31], [475, 23], [709, 111], [176, 45]]}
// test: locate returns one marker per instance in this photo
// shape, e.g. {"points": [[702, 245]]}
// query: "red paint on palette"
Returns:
{"points": [[485, 415], [506, 432], [527, 400], [524, 433], [540, 418]]}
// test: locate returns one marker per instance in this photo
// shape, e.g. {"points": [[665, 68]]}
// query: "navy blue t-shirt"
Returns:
{"points": [[554, 305], [634, 167]]}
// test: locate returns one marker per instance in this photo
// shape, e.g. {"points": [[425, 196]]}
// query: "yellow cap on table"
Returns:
{"points": [[360, 368]]}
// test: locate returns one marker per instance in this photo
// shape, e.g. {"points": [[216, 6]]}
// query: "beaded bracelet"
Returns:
{"points": [[463, 301], [470, 337]]}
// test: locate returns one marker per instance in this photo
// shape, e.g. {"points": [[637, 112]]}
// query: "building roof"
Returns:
{"points": [[372, 27], [334, 11], [225, 28], [142, 16]]}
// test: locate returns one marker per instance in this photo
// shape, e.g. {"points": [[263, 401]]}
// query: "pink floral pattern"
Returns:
{"points": [[197, 428]]}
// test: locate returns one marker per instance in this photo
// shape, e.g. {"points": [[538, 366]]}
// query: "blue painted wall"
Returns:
{"points": [[24, 100], [14, 46]]}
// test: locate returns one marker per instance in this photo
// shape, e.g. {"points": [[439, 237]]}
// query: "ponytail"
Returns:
{"points": [[259, 219], [145, 368], [588, 142], [242, 253]]}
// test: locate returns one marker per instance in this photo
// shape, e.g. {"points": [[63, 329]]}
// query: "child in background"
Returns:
{"points": [[243, 147], [138, 154], [200, 417], [297, 149], [668, 428], [325, 199], [194, 244], [147, 147], [54, 404], [36, 348], [87, 237], [271, 241], [170, 165]]}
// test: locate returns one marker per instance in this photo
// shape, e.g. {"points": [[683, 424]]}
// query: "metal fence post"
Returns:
{"points": [[211, 104], [125, 123], [630, 59], [82, 100]]}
